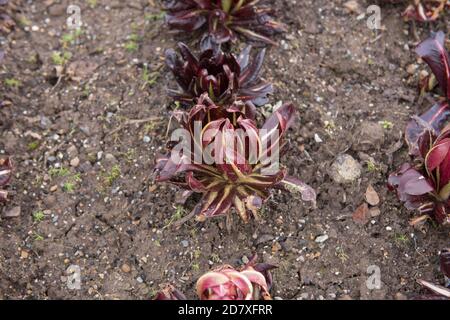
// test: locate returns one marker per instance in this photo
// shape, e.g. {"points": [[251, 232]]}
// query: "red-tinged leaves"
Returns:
{"points": [[252, 282], [437, 154], [433, 52], [295, 185], [434, 119], [222, 20], [219, 75]]}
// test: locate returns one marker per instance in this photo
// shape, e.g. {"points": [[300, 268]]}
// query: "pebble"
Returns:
{"points": [[388, 228], [245, 260], [372, 197], [369, 136], [126, 268], [185, 243], [147, 139], [345, 169], [13, 213], [322, 238], [374, 212], [75, 162], [264, 238]]}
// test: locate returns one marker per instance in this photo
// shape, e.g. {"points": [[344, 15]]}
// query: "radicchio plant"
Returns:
{"points": [[5, 177], [223, 76], [222, 20], [240, 175], [426, 187], [433, 52], [251, 282]]}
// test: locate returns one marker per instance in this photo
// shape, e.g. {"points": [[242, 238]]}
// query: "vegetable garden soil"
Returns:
{"points": [[104, 213]]}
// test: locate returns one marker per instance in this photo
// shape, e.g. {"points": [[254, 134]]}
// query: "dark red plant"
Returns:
{"points": [[222, 20], [426, 187], [236, 178], [5, 177], [223, 76], [434, 53], [438, 292]]}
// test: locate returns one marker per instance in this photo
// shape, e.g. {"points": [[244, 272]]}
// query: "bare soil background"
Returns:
{"points": [[103, 212]]}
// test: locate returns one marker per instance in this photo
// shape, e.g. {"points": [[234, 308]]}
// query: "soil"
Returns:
{"points": [[104, 213]]}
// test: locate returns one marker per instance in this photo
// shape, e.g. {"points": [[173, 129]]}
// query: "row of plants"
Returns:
{"points": [[222, 92], [423, 184]]}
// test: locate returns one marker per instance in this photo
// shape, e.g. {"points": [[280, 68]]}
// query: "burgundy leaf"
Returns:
{"points": [[433, 52]]}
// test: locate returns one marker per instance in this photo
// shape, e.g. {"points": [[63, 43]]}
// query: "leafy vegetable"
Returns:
{"points": [[5, 177], [223, 76], [426, 187], [433, 52], [231, 159], [222, 20], [252, 282]]}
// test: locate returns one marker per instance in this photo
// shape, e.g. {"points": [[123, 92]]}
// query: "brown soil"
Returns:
{"points": [[117, 229]]}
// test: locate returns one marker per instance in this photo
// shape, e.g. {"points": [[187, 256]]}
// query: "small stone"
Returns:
{"points": [[72, 151], [352, 6], [75, 162], [185, 243], [369, 136], [411, 69], [317, 138], [361, 215], [400, 296], [374, 212], [276, 247], [13, 213], [139, 279], [345, 169], [245, 260], [110, 159], [146, 139], [126, 268], [372, 197], [322, 238], [24, 254], [388, 228], [264, 238], [53, 188]]}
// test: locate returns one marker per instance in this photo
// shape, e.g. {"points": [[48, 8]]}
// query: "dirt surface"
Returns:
{"points": [[102, 212]]}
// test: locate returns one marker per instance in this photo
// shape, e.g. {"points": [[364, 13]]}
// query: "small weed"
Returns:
{"points": [[38, 216], [33, 145], [371, 166], [69, 38], [12, 83], [38, 237], [131, 46], [61, 59], [69, 187], [155, 16], [59, 172], [149, 78], [195, 267], [179, 212], [340, 253], [401, 239], [386, 124], [113, 175]]}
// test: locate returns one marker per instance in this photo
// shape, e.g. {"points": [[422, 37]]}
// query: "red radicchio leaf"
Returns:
{"points": [[434, 119], [433, 52]]}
